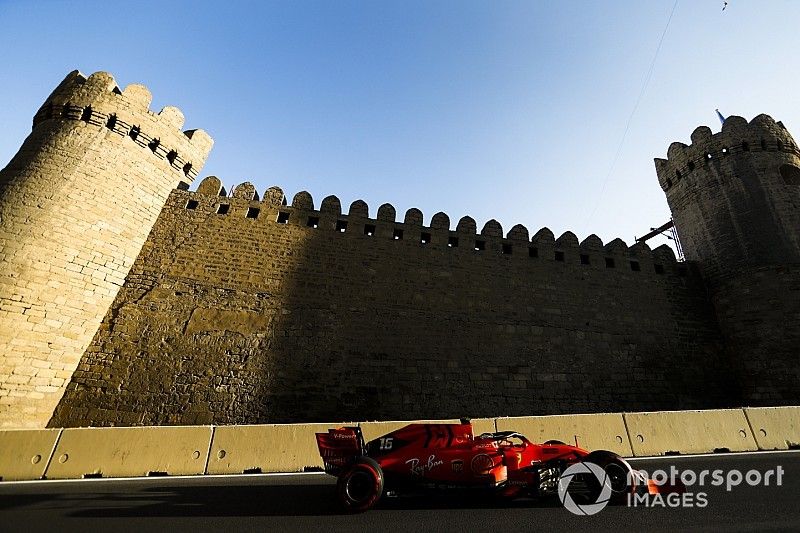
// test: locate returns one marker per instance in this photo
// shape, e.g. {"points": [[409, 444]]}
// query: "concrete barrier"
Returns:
{"points": [[185, 450], [24, 453], [603, 431], [373, 430], [775, 428], [289, 447], [130, 451], [667, 432], [266, 448], [484, 425]]}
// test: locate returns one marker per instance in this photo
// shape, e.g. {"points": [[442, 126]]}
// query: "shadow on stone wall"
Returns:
{"points": [[234, 318]]}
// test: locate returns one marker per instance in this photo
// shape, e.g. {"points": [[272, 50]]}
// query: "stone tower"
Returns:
{"points": [[735, 199], [76, 205]]}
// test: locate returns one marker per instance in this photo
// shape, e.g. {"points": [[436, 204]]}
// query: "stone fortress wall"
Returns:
{"points": [[735, 197], [76, 204], [242, 310], [144, 303]]}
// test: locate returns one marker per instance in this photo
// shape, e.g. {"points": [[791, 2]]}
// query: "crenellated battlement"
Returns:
{"points": [[277, 306], [144, 302], [734, 202], [69, 232], [250, 306], [737, 138], [464, 239], [98, 100]]}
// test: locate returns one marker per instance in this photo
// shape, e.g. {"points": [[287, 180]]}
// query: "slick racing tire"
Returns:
{"points": [[361, 486], [619, 473]]}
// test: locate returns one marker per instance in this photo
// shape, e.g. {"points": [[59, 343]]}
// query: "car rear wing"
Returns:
{"points": [[339, 448]]}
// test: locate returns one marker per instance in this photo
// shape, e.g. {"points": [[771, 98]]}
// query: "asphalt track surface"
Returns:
{"points": [[305, 502]]}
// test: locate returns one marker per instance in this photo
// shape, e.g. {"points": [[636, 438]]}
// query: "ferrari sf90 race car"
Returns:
{"points": [[449, 456]]}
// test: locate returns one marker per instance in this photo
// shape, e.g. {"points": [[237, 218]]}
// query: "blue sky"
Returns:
{"points": [[506, 110]]}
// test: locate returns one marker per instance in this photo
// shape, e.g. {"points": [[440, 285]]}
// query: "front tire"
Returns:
{"points": [[619, 472], [360, 487]]}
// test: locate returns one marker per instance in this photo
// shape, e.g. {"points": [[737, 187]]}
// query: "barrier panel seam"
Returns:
{"points": [[52, 453], [210, 445], [752, 431], [628, 433]]}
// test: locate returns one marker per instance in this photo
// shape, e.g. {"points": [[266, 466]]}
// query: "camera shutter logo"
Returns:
{"points": [[582, 469]]}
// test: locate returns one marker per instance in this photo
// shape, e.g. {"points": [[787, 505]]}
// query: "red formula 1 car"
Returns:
{"points": [[450, 456]]}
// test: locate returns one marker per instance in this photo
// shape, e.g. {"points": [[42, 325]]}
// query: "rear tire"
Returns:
{"points": [[360, 487]]}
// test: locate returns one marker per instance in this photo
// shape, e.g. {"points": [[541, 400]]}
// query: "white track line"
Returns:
{"points": [[155, 478]]}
